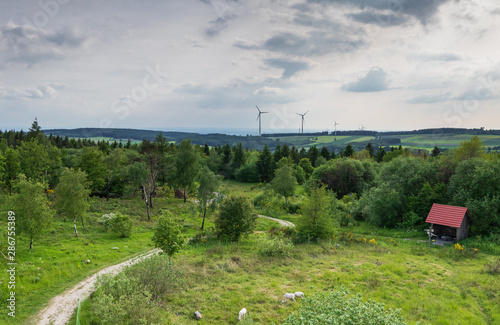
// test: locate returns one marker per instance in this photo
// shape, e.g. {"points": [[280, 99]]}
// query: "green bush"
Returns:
{"points": [[120, 300], [339, 308], [158, 276], [277, 246], [106, 220], [121, 225], [236, 217], [248, 173], [167, 235], [262, 199], [135, 296]]}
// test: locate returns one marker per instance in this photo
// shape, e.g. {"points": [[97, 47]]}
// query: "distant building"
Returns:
{"points": [[449, 220]]}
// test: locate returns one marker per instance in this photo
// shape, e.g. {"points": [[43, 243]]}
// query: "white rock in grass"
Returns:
{"points": [[197, 315], [115, 248]]}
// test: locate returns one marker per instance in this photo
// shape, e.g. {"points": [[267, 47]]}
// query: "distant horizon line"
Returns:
{"points": [[237, 130]]}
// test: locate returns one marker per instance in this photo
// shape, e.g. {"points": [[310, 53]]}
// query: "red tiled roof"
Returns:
{"points": [[446, 215]]}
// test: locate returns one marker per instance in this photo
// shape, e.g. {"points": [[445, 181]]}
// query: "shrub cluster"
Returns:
{"points": [[120, 224], [339, 308], [135, 296], [275, 246]]}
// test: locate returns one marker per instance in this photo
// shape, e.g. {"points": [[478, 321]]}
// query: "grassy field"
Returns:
{"points": [[433, 286], [423, 141], [56, 261], [428, 141]]}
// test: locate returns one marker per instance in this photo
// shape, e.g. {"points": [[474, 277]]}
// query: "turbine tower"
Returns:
{"points": [[303, 120], [335, 125], [258, 118]]}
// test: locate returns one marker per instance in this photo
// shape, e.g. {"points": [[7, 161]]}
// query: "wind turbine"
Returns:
{"points": [[335, 125], [362, 128], [303, 120], [258, 118]]}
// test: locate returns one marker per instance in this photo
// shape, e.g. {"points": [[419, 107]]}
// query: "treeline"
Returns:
{"points": [[389, 188], [214, 139], [14, 139]]}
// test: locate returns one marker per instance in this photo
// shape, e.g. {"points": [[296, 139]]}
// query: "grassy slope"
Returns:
{"points": [[60, 255], [429, 286]]}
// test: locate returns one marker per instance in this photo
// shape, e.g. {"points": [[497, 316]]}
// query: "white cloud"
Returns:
{"points": [[374, 80]]}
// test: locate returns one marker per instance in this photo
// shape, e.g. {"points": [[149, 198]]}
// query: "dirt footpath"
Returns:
{"points": [[61, 307], [282, 222]]}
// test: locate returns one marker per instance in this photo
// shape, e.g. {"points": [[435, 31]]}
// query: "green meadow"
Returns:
{"points": [[431, 286]]}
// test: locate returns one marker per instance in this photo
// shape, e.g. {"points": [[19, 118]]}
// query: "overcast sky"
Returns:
{"points": [[384, 64]]}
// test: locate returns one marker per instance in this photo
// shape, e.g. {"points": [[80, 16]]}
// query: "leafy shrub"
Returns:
{"points": [[158, 276], [236, 217], [167, 235], [346, 220], [262, 199], [248, 173], [135, 295], [120, 300], [106, 220], [121, 225], [338, 307], [293, 207], [410, 219], [277, 246]]}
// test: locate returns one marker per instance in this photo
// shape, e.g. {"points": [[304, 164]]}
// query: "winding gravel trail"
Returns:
{"points": [[282, 222], [61, 307]]}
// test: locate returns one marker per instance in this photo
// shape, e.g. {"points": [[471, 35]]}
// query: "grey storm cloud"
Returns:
{"points": [[375, 80], [24, 43], [289, 67], [429, 99], [306, 19], [216, 26], [423, 10], [316, 43], [381, 19]]}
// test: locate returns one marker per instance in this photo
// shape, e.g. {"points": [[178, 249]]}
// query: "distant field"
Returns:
{"points": [[111, 140], [423, 141], [360, 139], [446, 141]]}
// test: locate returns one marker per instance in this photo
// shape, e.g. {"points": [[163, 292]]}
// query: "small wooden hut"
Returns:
{"points": [[449, 220]]}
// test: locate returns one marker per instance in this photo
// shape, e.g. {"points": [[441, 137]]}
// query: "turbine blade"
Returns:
{"points": [[306, 112], [257, 108]]}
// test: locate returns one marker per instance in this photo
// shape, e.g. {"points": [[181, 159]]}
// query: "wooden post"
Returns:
{"points": [[430, 234]]}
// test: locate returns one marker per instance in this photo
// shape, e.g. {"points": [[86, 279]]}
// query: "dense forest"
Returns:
{"points": [[393, 188]]}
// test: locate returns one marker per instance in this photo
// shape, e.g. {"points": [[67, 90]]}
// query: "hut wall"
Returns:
{"points": [[462, 232]]}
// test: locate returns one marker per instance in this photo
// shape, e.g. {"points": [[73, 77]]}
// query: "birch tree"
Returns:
{"points": [[73, 194], [209, 185], [33, 214]]}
